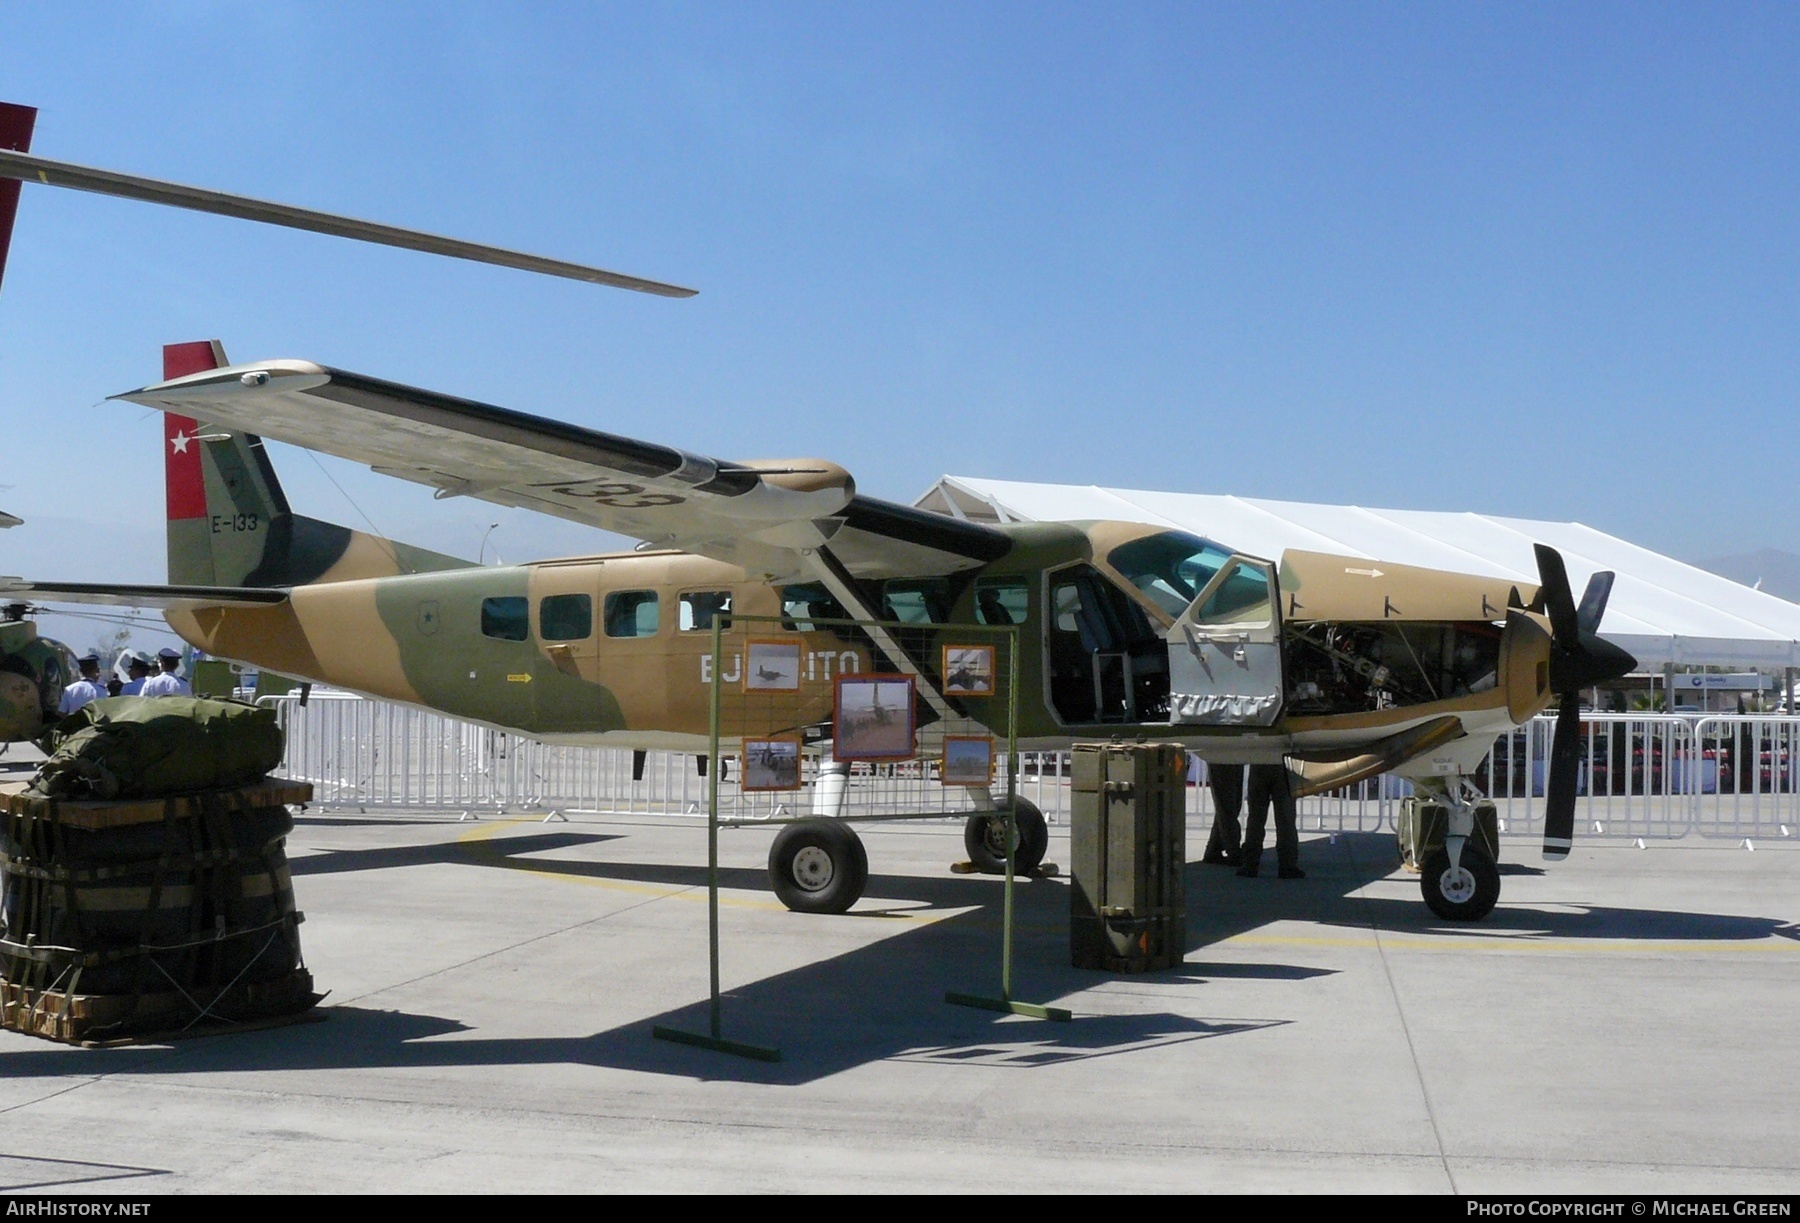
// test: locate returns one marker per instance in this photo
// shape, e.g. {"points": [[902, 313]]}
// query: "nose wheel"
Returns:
{"points": [[818, 866], [1467, 891]]}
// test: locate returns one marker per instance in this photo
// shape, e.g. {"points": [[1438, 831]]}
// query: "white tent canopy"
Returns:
{"points": [[1663, 611]]}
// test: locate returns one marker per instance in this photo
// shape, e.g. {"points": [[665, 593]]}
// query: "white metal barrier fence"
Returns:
{"points": [[367, 754], [1642, 775]]}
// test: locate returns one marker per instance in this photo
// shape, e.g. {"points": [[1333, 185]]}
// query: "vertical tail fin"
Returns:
{"points": [[229, 521], [16, 123]]}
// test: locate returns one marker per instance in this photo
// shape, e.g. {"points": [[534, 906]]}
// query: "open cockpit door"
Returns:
{"points": [[1225, 650]]}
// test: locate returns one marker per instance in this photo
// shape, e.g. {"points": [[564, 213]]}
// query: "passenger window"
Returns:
{"points": [[801, 605], [1002, 602], [631, 613], [917, 601], [699, 607], [507, 618], [565, 617]]}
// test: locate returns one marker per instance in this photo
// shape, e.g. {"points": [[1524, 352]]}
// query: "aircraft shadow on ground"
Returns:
{"points": [[337, 861], [885, 1001], [1370, 857], [365, 1038], [19, 1173], [372, 821]]}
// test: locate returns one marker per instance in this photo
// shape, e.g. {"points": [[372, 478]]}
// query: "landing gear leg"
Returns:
{"points": [[831, 790], [1460, 882]]}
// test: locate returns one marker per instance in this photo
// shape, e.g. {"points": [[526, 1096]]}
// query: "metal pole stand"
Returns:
{"points": [[1006, 1003], [714, 1038]]}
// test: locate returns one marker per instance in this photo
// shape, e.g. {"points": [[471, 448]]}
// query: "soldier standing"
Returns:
{"points": [[138, 671], [87, 688], [168, 683], [1269, 783], [1224, 846]]}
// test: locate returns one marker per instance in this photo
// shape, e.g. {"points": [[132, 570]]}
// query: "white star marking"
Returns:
{"points": [[180, 441]]}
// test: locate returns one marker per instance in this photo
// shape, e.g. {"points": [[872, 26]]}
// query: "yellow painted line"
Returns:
{"points": [[1511, 944], [472, 839]]}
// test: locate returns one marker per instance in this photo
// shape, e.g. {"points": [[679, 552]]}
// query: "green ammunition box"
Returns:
{"points": [[1128, 850]]}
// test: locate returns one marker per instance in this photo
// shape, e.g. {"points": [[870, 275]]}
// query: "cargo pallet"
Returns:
{"points": [[147, 918]]}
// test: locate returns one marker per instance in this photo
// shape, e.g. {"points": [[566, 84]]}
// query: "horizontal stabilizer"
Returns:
{"points": [[114, 594]]}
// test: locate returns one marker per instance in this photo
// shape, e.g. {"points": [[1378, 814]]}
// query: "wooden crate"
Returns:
{"points": [[93, 1019]]}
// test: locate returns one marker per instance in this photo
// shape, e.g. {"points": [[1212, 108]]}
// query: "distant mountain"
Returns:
{"points": [[1778, 571]]}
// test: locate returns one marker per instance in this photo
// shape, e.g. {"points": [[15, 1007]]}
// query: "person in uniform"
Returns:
{"points": [[1269, 784], [1224, 845], [167, 683], [87, 688], [139, 672]]}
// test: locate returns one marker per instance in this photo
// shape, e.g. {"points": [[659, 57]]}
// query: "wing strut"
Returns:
{"points": [[843, 588]]}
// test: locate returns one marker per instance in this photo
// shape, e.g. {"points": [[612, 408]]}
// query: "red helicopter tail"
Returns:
{"points": [[16, 123]]}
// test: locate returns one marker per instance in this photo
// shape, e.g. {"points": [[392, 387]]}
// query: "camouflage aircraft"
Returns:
{"points": [[1339, 667]]}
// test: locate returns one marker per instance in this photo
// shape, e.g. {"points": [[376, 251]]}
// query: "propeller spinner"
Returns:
{"points": [[1579, 658]]}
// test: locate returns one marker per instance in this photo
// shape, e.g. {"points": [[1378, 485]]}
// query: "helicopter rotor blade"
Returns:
{"points": [[24, 167]]}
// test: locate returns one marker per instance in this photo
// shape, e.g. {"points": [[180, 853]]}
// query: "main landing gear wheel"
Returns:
{"points": [[818, 866], [1467, 892], [984, 836]]}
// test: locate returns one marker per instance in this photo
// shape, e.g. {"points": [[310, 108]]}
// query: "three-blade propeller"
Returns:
{"points": [[1579, 658]]}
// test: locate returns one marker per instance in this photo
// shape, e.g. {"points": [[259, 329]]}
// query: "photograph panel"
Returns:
{"points": [[874, 718], [771, 764]]}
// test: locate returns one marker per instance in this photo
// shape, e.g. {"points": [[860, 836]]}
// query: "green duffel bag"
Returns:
{"points": [[150, 746]]}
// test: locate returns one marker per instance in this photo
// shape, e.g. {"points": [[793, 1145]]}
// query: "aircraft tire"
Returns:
{"points": [[818, 866], [984, 836], [1467, 894]]}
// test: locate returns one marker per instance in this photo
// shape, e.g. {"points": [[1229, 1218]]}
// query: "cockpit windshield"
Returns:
{"points": [[1171, 567]]}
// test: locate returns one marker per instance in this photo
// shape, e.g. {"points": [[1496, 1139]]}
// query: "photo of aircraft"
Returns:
{"points": [[1340, 668]]}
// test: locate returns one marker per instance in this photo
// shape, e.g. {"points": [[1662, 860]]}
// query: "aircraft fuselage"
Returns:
{"points": [[616, 649]]}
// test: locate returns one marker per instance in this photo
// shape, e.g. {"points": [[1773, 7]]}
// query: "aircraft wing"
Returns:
{"points": [[761, 515], [125, 595]]}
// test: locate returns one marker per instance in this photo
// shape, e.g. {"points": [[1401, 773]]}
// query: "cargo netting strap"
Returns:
{"points": [[281, 895], [51, 953], [201, 1012], [22, 868]]}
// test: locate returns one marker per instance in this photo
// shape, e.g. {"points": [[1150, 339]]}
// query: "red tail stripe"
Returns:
{"points": [[181, 449], [181, 468]]}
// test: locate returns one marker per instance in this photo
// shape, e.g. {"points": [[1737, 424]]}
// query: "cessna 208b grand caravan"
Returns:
{"points": [[1338, 667]]}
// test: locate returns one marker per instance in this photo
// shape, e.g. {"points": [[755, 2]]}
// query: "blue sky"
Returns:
{"points": [[1537, 260]]}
